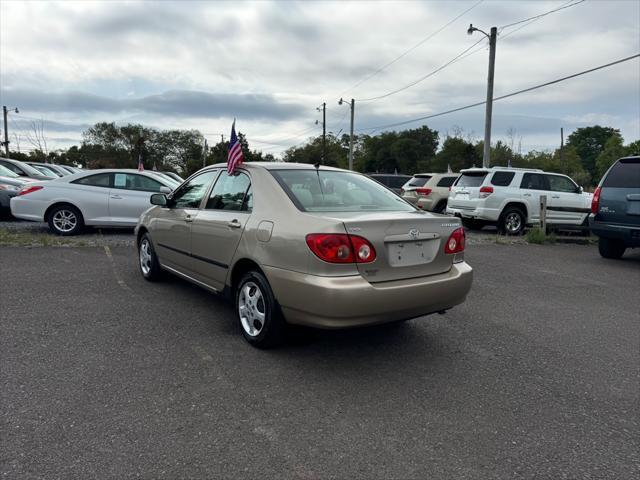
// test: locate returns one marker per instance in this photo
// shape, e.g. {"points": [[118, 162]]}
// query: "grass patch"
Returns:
{"points": [[538, 236], [13, 238]]}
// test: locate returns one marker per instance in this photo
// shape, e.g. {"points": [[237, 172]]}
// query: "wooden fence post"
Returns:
{"points": [[543, 213]]}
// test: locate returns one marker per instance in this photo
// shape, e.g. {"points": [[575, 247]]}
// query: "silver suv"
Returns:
{"points": [[429, 191], [510, 199]]}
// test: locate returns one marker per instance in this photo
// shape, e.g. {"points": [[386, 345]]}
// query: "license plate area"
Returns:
{"points": [[410, 253]]}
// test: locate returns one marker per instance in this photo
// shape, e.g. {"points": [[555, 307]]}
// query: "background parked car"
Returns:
{"points": [[106, 198], [615, 209], [175, 176], [10, 184], [510, 199], [429, 191], [22, 169], [46, 171], [58, 170], [393, 182]]}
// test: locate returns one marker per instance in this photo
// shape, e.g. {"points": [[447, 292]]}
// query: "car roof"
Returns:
{"points": [[504, 169], [281, 166]]}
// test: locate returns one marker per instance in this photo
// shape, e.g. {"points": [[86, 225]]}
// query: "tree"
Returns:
{"points": [[613, 150], [589, 142], [456, 153]]}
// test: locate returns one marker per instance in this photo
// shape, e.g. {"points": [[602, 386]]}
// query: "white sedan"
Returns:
{"points": [[102, 198]]}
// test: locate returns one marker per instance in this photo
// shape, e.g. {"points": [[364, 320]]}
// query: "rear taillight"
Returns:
{"points": [[455, 243], [341, 248], [595, 201], [485, 191], [423, 191], [25, 190]]}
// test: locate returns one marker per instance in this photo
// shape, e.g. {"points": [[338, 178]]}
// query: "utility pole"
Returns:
{"points": [[222, 137], [6, 132], [324, 130], [487, 119], [352, 106], [492, 63], [205, 151], [562, 149]]}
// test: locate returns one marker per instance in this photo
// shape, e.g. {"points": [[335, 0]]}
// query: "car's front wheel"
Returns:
{"points": [[610, 248], [260, 318], [65, 220], [148, 260]]}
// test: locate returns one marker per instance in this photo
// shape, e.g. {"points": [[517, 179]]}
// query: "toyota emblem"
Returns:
{"points": [[414, 233]]}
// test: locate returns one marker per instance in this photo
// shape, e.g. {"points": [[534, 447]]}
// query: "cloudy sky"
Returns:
{"points": [[270, 64]]}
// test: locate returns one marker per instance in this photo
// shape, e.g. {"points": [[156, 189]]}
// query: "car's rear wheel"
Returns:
{"points": [[65, 220], [148, 260], [260, 318], [610, 248], [512, 221]]}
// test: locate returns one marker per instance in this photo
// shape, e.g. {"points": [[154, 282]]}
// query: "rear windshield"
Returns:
{"points": [[418, 181], [471, 179], [5, 172], [331, 191], [624, 174]]}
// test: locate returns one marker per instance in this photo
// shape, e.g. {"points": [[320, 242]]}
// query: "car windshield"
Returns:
{"points": [[46, 171], [336, 191], [471, 179], [5, 172]]}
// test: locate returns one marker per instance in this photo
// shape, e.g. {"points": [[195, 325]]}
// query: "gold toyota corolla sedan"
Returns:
{"points": [[305, 245]]}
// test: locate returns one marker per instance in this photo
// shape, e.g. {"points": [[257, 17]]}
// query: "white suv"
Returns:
{"points": [[429, 191], [510, 199]]}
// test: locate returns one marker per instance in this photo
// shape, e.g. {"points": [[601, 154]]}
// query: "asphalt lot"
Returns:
{"points": [[104, 375]]}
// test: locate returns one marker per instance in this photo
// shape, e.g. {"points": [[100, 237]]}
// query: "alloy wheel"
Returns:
{"points": [[251, 309], [65, 220], [145, 257], [513, 222]]}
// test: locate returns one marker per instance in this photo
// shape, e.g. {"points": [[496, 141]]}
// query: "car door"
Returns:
{"points": [[171, 225], [217, 228], [90, 194], [566, 200], [130, 196], [531, 187]]}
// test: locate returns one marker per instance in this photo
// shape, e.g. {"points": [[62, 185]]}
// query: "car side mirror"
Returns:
{"points": [[580, 189], [164, 189], [159, 199]]}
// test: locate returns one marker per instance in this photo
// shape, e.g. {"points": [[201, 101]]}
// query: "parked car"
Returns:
{"points": [[46, 171], [429, 191], [175, 176], [104, 198], [58, 170], [393, 182], [22, 169], [10, 184], [510, 199], [615, 208], [295, 244]]}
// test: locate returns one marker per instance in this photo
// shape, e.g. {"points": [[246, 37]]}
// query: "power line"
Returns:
{"points": [[406, 52], [542, 14], [503, 96]]}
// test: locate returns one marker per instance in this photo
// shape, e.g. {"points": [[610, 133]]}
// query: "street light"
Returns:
{"points": [[489, 106], [352, 105], [5, 112]]}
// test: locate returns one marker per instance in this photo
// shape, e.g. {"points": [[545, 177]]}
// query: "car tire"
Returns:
{"points": [[610, 248], [148, 260], [261, 321], [512, 221], [472, 224], [65, 220]]}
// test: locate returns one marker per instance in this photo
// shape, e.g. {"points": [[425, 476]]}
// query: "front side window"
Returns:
{"points": [[230, 193], [132, 181], [330, 191], [190, 194], [561, 184], [99, 180], [534, 181]]}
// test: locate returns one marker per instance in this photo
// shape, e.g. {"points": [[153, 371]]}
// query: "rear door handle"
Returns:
{"points": [[526, 194], [234, 224], [555, 196], [116, 197]]}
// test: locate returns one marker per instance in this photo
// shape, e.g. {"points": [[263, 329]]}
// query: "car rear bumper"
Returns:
{"points": [[628, 234], [28, 210], [343, 302], [479, 213]]}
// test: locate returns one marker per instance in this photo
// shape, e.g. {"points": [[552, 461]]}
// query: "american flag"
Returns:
{"points": [[235, 157], [140, 165]]}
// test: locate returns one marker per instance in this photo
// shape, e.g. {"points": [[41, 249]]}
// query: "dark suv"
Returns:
{"points": [[392, 181], [615, 209]]}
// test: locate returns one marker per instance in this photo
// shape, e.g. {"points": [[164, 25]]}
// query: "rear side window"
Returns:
{"points": [[624, 174], [99, 180], [534, 181], [131, 181], [502, 179], [397, 182], [471, 179], [446, 182], [418, 181]]}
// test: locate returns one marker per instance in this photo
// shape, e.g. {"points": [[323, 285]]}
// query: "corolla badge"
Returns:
{"points": [[414, 233]]}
